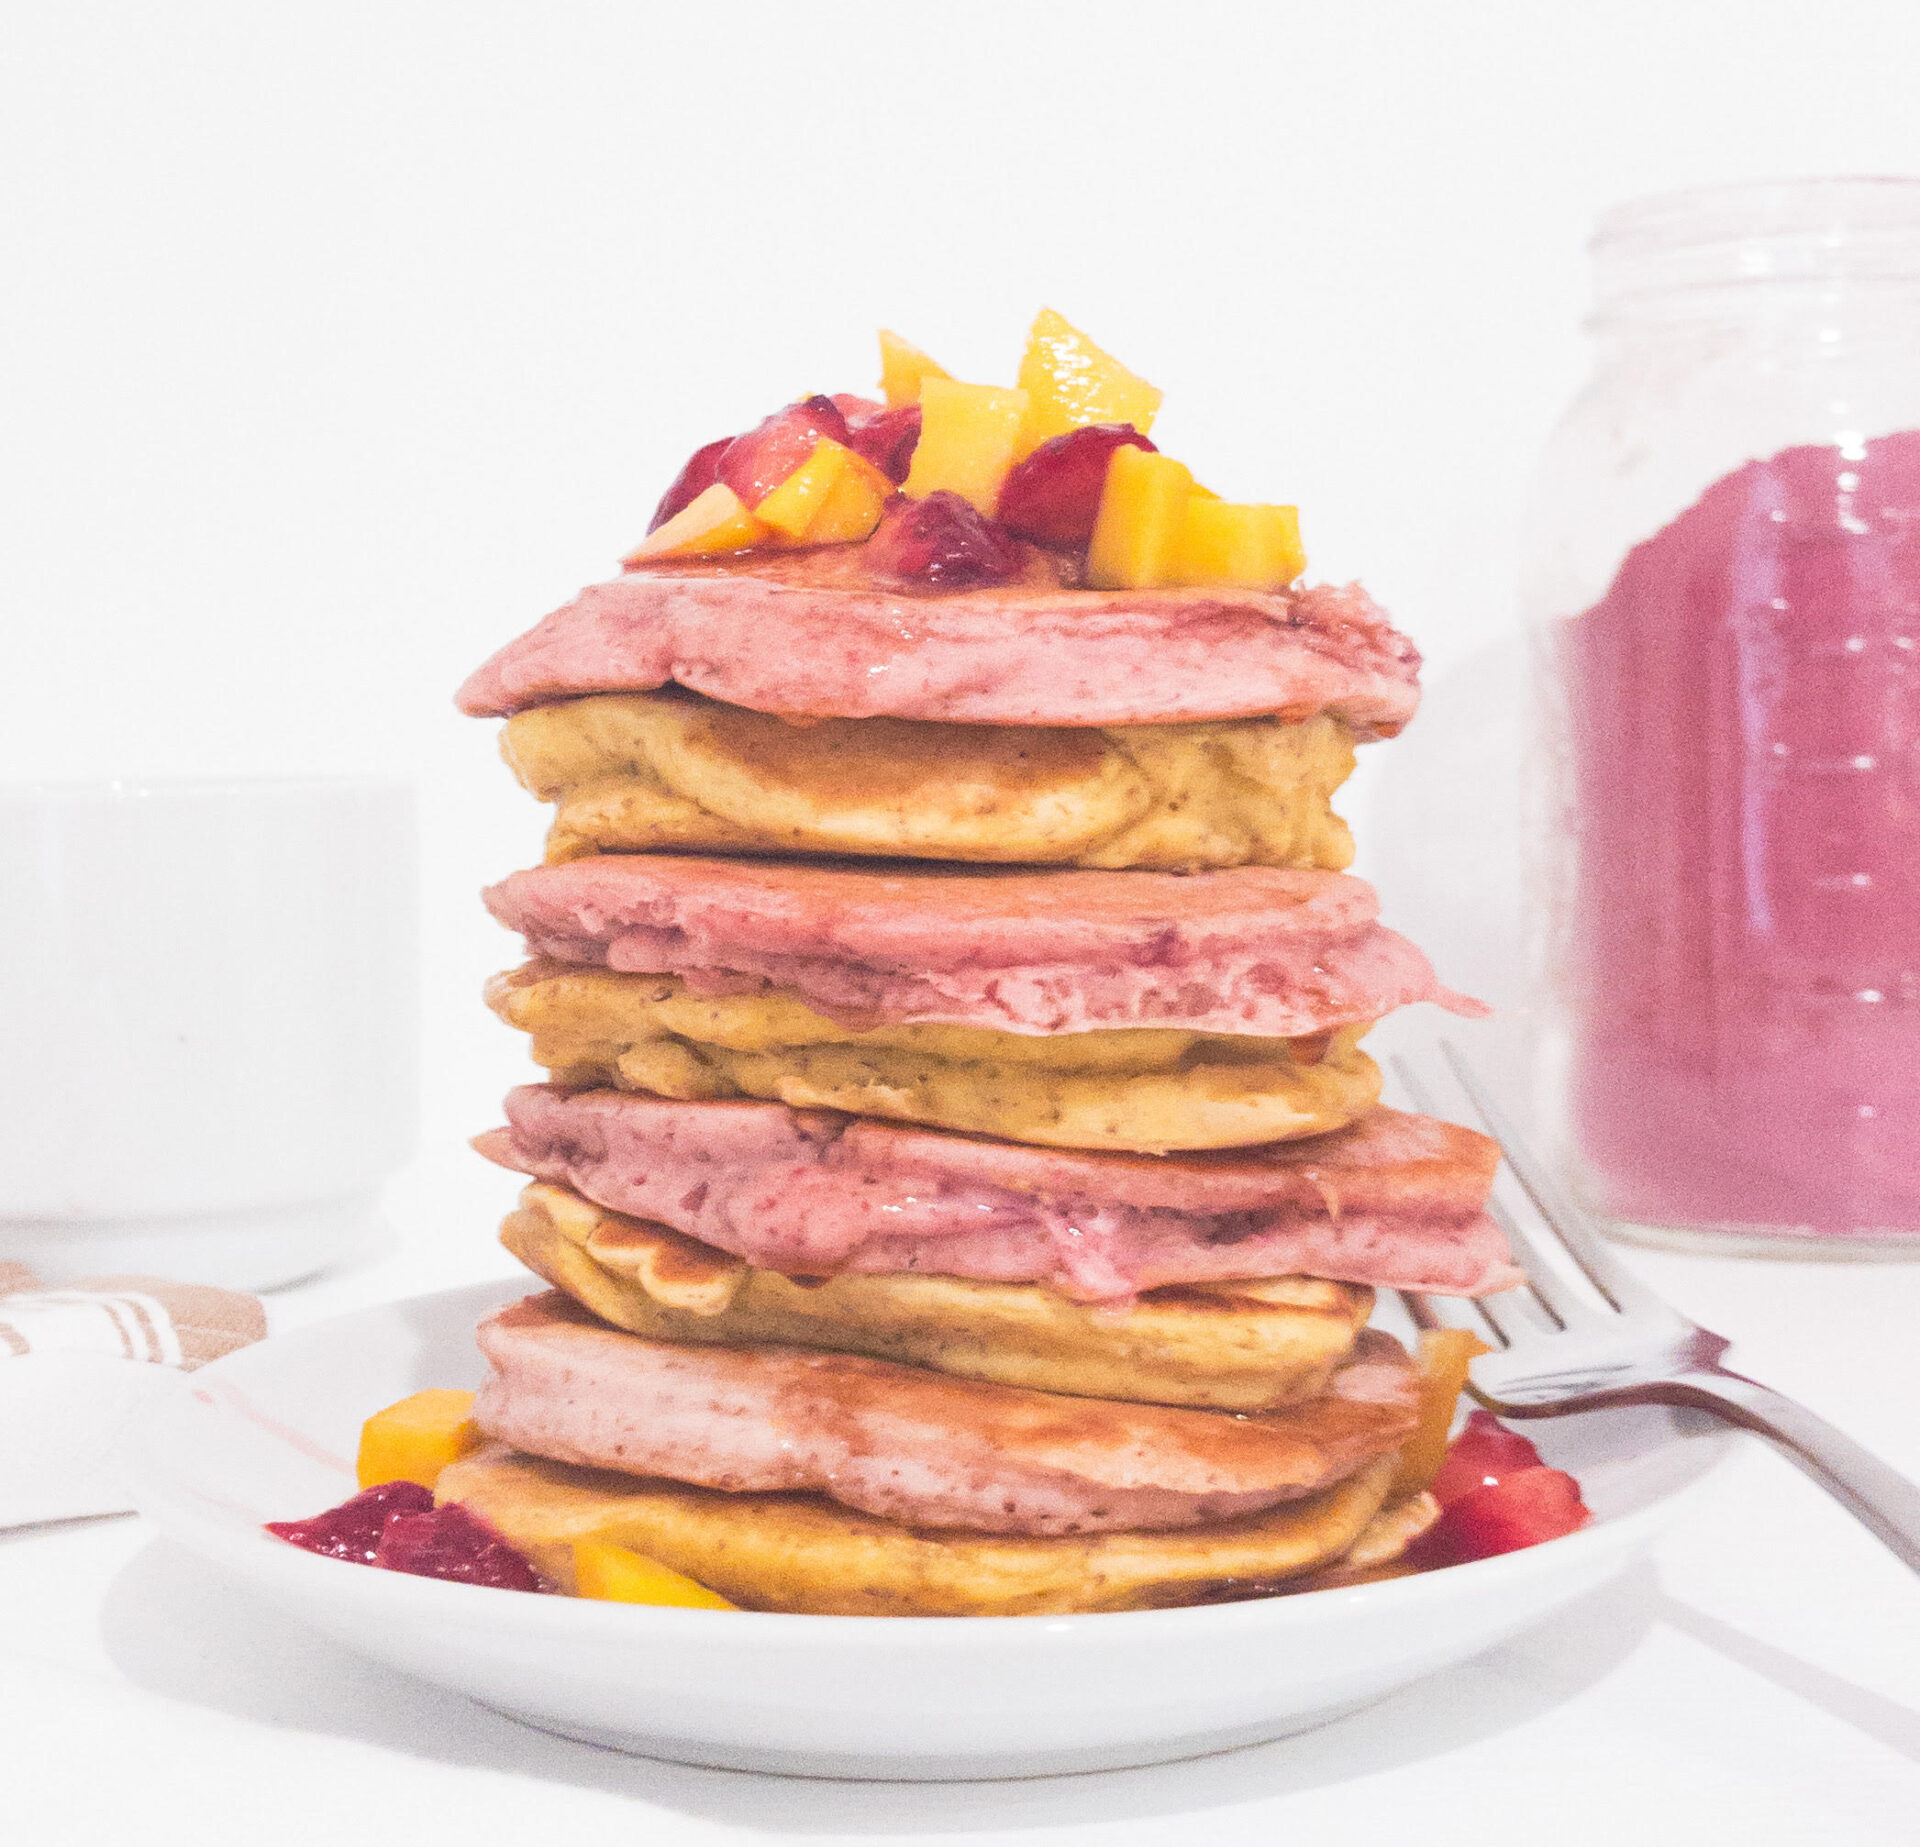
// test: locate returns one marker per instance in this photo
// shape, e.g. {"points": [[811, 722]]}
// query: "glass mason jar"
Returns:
{"points": [[1723, 585]]}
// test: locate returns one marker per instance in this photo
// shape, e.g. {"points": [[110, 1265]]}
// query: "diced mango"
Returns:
{"points": [[1443, 1358], [1137, 533], [613, 1574], [714, 521], [902, 367], [1069, 382], [966, 442], [416, 1438], [791, 506], [1224, 543], [853, 505], [801, 502]]}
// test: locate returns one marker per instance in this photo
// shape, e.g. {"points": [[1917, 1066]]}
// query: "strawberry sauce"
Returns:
{"points": [[1743, 714]]}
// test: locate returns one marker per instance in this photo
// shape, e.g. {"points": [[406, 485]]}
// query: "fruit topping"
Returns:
{"points": [[1443, 1357], [966, 440], [1143, 509], [1054, 495], [832, 497], [1481, 1456], [1062, 459], [902, 367], [353, 1529], [1495, 1496], [756, 463], [1254, 546], [714, 523], [416, 1438], [944, 541], [614, 1574], [700, 473], [454, 1543], [887, 439], [1156, 526], [1070, 382]]}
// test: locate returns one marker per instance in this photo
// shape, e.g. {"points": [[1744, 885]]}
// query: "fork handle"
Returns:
{"points": [[1881, 1498]]}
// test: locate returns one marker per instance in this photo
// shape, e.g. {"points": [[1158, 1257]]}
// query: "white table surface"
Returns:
{"points": [[1757, 1682]]}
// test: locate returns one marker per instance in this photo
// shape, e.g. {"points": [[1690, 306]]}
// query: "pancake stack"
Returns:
{"points": [[959, 1179]]}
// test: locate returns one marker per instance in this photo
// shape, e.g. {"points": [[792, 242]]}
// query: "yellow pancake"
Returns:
{"points": [[1140, 1089], [802, 1552], [1238, 1346], [631, 772]]}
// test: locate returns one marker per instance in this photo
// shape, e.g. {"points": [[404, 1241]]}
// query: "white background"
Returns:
{"points": [[341, 341]]}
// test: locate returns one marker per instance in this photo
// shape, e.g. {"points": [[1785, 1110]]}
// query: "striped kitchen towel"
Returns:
{"points": [[77, 1363], [130, 1317]]}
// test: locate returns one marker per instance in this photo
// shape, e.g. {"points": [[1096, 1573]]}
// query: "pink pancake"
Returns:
{"points": [[920, 1447], [1395, 1200], [814, 634], [1269, 951]]}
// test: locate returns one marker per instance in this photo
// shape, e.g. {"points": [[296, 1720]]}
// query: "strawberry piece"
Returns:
{"points": [[1053, 496], [1485, 1453], [887, 439], [852, 406], [700, 473], [354, 1528], [756, 463], [1520, 1510], [454, 1543], [942, 540]]}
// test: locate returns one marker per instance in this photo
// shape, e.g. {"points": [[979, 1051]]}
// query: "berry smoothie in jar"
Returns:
{"points": [[1725, 588]]}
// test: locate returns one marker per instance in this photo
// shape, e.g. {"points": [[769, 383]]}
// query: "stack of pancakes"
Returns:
{"points": [[960, 1181]]}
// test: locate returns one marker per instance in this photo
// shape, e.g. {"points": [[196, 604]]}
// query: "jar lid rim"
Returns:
{"points": [[1838, 231], [1757, 208]]}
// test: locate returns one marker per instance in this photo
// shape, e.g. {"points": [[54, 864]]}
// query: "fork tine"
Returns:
{"points": [[1517, 1315], [1452, 1311], [1565, 1220], [1569, 1304], [1560, 1301]]}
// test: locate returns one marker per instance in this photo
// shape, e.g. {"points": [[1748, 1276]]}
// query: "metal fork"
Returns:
{"points": [[1560, 1352]]}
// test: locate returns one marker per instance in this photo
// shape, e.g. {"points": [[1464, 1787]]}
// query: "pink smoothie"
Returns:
{"points": [[1745, 939]]}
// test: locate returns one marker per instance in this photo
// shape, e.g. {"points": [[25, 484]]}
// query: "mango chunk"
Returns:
{"points": [[416, 1438], [615, 1575], [1224, 543], [714, 521], [902, 367], [1443, 1358], [1142, 518], [833, 496], [790, 507], [1069, 382], [966, 442], [852, 506]]}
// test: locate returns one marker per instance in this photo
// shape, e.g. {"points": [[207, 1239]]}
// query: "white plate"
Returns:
{"points": [[267, 1433]]}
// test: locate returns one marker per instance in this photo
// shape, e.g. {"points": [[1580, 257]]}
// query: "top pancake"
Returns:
{"points": [[816, 635]]}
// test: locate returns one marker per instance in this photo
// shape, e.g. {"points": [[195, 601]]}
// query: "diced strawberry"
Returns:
{"points": [[756, 463], [352, 1530], [887, 439], [853, 407], [1053, 496], [1484, 1452], [700, 473], [453, 1542], [944, 541], [1520, 1510]]}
